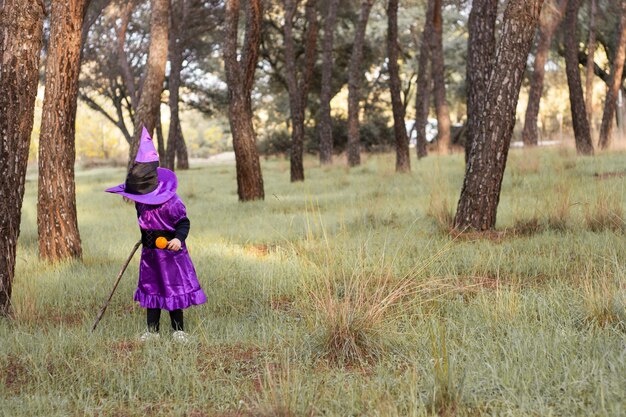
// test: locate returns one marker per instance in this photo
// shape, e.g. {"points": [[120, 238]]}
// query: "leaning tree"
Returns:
{"points": [[617, 70], [582, 135], [550, 19], [149, 100], [480, 194], [21, 27]]}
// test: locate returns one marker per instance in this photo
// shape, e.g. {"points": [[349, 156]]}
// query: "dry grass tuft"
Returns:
{"points": [[605, 214], [283, 393], [604, 302], [527, 227], [440, 210]]}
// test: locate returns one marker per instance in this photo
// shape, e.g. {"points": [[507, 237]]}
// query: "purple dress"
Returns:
{"points": [[167, 279]]}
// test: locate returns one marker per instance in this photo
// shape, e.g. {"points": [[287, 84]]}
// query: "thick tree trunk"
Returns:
{"points": [[57, 222], [299, 89], [480, 195], [481, 49], [577, 100], [175, 140], [424, 83], [591, 48], [240, 78], [617, 70], [21, 27], [530, 135], [355, 74], [325, 127], [438, 74], [403, 161], [150, 97]]}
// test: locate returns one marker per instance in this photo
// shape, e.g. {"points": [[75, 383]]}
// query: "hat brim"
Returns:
{"points": [[166, 189]]}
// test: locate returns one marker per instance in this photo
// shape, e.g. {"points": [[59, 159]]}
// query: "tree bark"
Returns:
{"points": [[57, 222], [577, 100], [481, 49], [299, 88], [355, 74], [530, 135], [182, 156], [325, 127], [175, 135], [150, 96], [438, 74], [480, 195], [614, 85], [21, 26], [424, 83], [240, 79], [403, 161], [591, 48]]}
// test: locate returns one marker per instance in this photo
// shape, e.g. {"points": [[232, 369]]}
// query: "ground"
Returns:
{"points": [[343, 295]]}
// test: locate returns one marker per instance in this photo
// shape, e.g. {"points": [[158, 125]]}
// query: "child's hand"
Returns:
{"points": [[174, 245]]}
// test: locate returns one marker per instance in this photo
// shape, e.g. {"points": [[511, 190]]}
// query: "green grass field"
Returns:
{"points": [[345, 295]]}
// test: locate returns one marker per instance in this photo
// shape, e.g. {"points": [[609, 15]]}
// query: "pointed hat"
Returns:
{"points": [[147, 183]]}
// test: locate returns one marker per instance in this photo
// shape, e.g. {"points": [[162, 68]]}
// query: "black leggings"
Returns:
{"points": [[154, 316]]}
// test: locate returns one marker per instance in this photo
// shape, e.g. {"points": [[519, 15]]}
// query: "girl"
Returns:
{"points": [[167, 277]]}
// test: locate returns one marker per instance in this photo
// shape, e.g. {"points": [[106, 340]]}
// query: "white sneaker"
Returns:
{"points": [[148, 335], [181, 336]]}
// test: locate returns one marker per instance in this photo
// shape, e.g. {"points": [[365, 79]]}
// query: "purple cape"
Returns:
{"points": [[167, 279]]}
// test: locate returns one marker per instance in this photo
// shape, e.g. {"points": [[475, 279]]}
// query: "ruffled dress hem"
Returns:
{"points": [[174, 302]]}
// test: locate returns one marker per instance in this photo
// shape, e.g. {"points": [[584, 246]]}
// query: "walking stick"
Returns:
{"points": [[119, 277]]}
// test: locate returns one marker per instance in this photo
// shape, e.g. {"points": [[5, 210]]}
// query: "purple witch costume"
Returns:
{"points": [[167, 279]]}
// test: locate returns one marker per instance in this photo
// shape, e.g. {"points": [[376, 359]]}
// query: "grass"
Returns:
{"points": [[339, 296]]}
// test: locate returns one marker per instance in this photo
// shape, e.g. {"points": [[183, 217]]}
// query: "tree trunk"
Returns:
{"points": [[355, 74], [150, 96], [614, 85], [530, 135], [57, 222], [591, 48], [21, 26], [438, 74], [424, 83], [403, 161], [481, 49], [182, 157], [240, 78], [325, 121], [480, 195], [175, 136], [299, 89], [577, 100]]}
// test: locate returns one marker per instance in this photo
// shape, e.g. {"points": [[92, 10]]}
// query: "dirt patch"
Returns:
{"points": [[496, 236], [51, 317], [282, 303], [608, 175], [261, 250], [15, 373]]}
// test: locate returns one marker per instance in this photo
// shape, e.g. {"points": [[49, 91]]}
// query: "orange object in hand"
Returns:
{"points": [[161, 242]]}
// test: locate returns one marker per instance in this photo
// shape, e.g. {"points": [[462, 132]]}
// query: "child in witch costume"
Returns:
{"points": [[167, 277]]}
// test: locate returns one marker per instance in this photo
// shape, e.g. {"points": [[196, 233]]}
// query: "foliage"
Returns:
{"points": [[376, 136]]}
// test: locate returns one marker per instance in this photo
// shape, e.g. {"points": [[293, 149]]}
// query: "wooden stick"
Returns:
{"points": [[119, 277]]}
